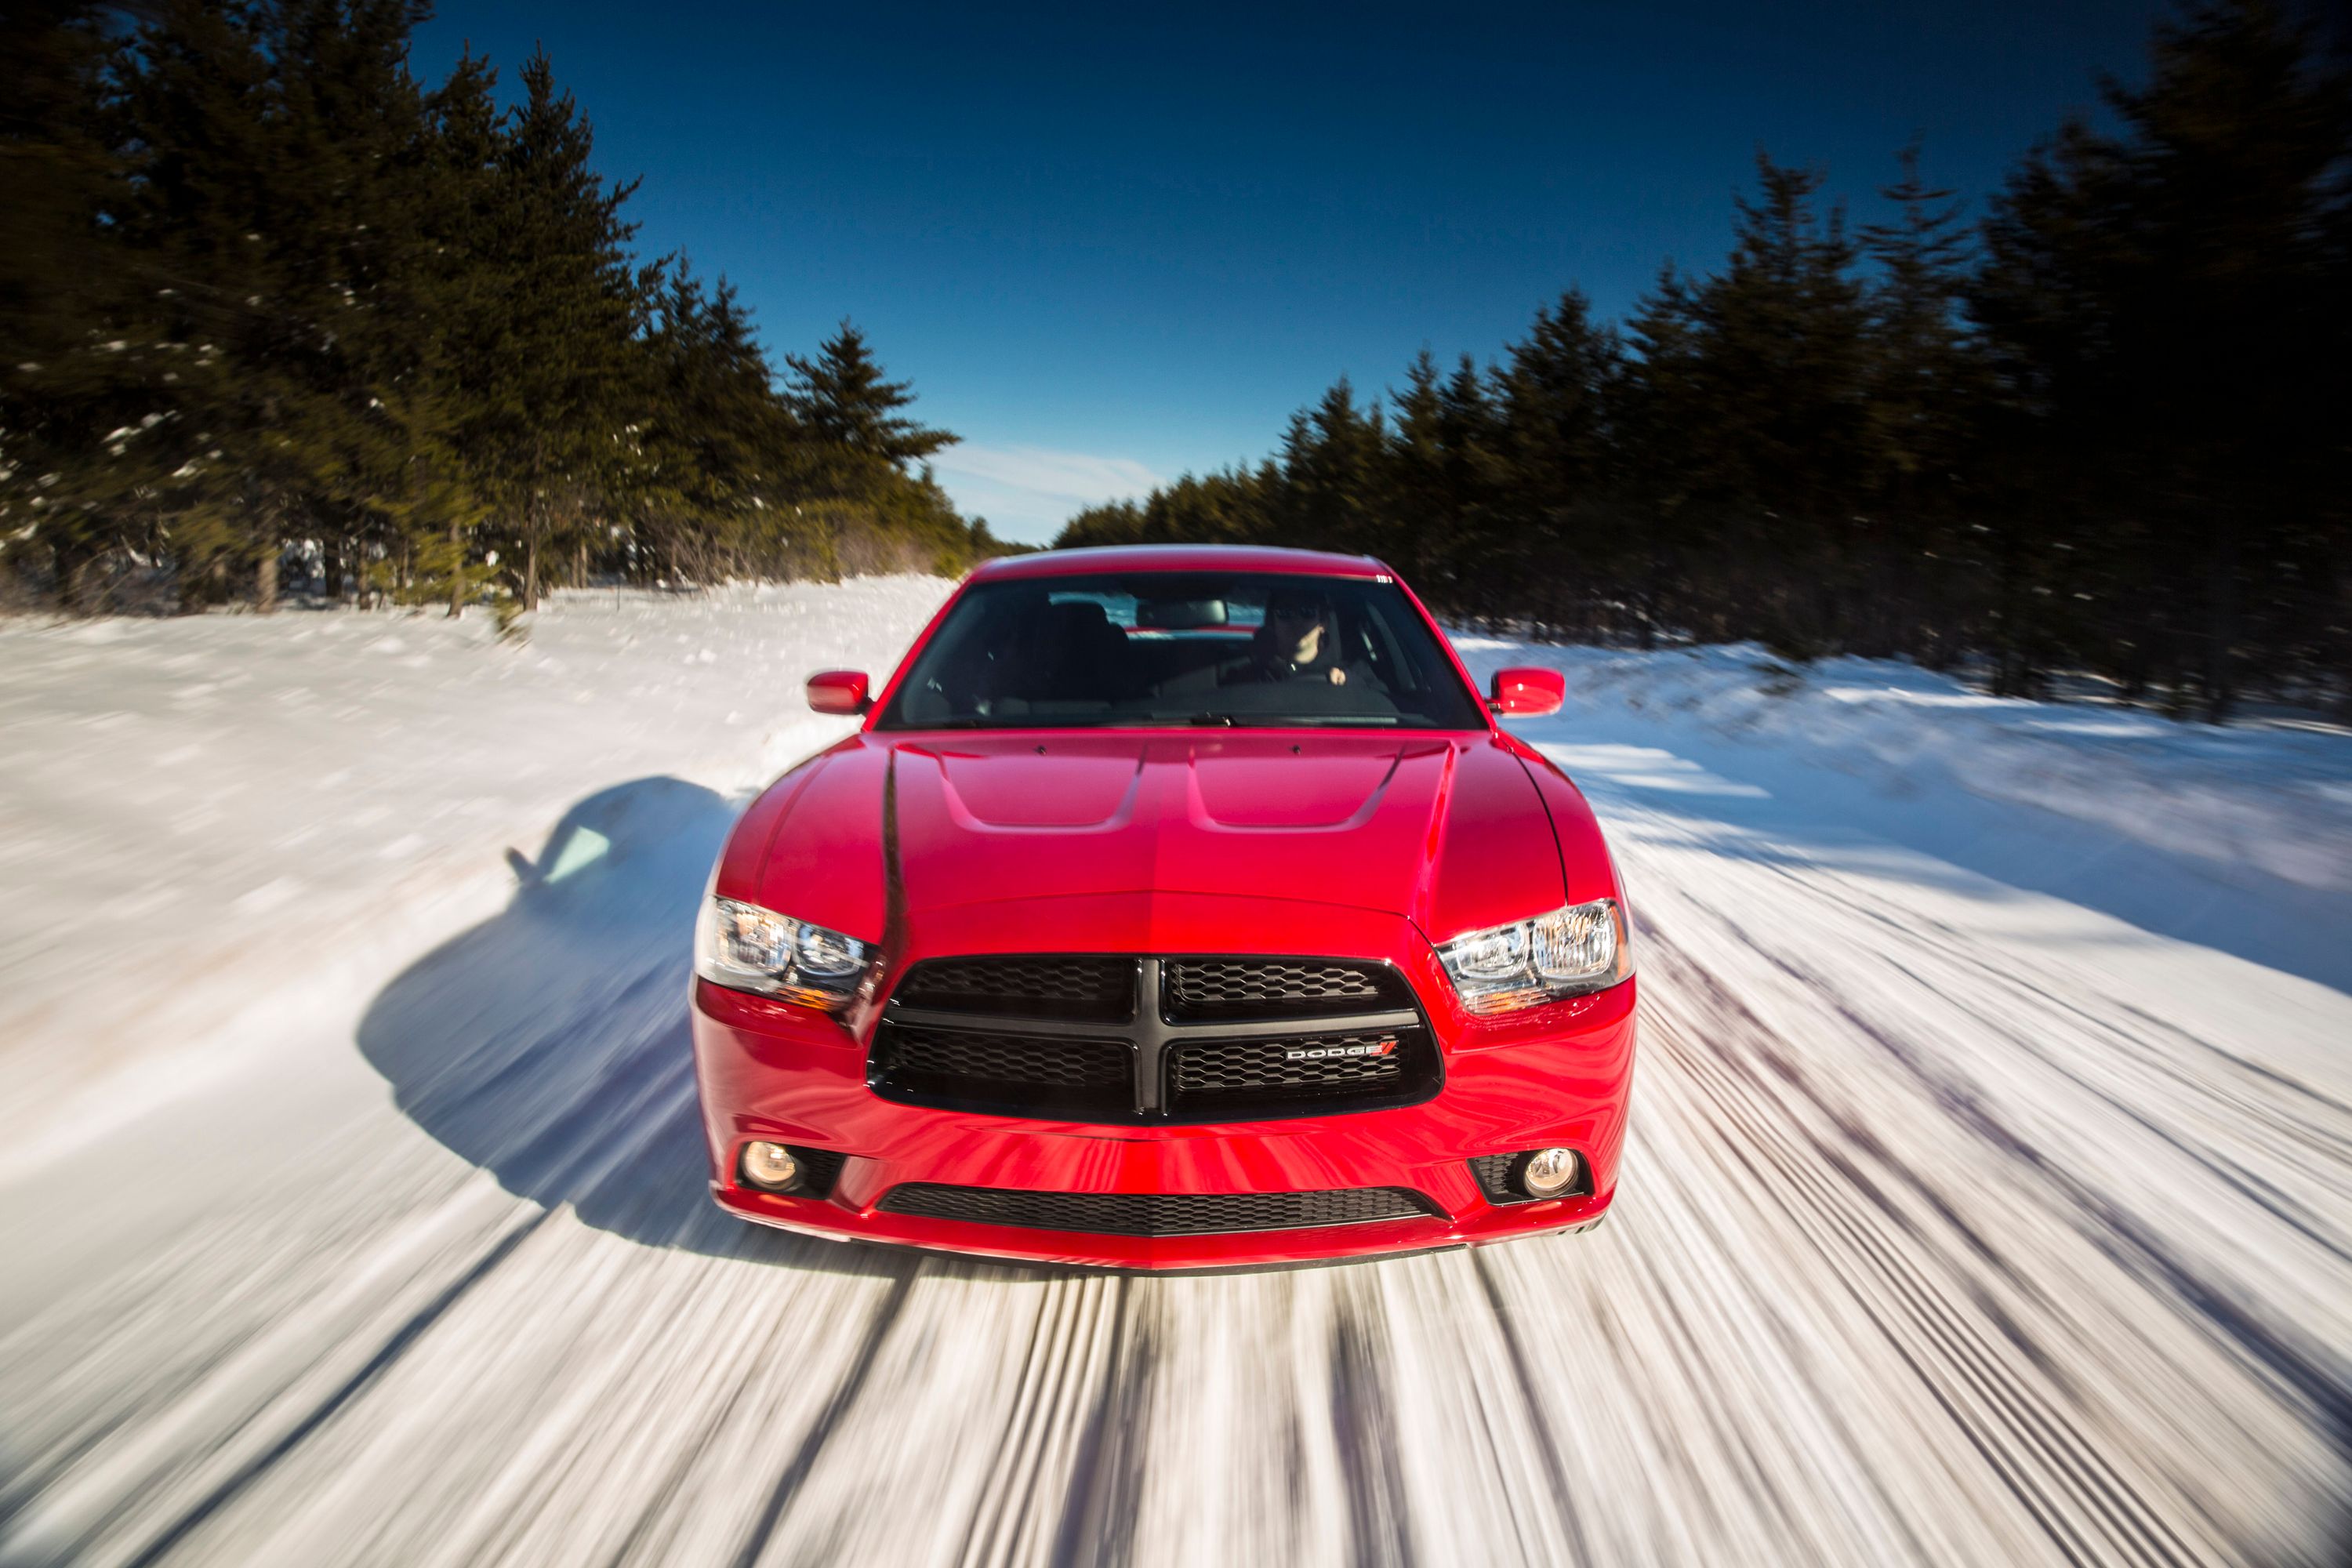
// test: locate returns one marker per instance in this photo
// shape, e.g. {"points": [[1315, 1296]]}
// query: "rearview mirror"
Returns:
{"points": [[838, 691], [1179, 615], [1529, 693]]}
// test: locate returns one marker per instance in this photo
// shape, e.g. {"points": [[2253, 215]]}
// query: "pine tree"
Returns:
{"points": [[1420, 482], [60, 285], [1486, 558], [1919, 372], [720, 497], [2164, 309], [556, 398], [442, 498], [218, 342], [1557, 466], [348, 195], [1330, 468], [1780, 386], [1658, 405], [843, 400], [1924, 384], [1781, 357]]}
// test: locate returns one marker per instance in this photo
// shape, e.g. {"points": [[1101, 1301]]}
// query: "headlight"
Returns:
{"points": [[1564, 953], [746, 948]]}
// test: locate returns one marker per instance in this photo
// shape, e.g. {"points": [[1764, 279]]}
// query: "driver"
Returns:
{"points": [[1299, 640]]}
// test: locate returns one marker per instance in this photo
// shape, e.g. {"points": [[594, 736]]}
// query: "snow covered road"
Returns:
{"points": [[1989, 1198]]}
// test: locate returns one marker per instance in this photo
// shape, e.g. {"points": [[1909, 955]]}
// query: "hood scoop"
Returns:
{"points": [[1038, 788], [1284, 791]]}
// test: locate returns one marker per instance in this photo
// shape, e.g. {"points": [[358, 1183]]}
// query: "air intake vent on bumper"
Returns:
{"points": [[1158, 1213]]}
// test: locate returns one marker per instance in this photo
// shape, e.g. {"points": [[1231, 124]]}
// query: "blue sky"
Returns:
{"points": [[1110, 245]]}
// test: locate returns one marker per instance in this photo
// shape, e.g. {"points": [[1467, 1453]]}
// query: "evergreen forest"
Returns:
{"points": [[275, 316], [2102, 428]]}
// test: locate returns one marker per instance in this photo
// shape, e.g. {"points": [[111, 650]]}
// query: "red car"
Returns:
{"points": [[1172, 908]]}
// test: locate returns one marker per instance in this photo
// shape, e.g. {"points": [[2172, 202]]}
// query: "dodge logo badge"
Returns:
{"points": [[1312, 1053]]}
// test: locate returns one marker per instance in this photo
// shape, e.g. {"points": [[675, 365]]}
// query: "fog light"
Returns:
{"points": [[770, 1166], [1548, 1173]]}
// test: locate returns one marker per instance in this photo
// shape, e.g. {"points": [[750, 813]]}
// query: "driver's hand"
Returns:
{"points": [[1339, 675]]}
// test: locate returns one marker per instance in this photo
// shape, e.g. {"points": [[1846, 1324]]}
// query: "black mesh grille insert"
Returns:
{"points": [[1207, 988], [820, 1168], [1212, 1075], [1043, 1073], [1051, 986], [1157, 1214], [1151, 1039]]}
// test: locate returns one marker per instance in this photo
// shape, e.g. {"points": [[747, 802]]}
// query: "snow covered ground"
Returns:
{"points": [[2237, 837], [1990, 1195]]}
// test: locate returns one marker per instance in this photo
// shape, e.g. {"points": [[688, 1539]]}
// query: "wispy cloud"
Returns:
{"points": [[1071, 476], [1028, 492]]}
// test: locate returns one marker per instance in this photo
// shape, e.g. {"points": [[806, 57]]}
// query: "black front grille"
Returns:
{"points": [[1246, 1075], [1069, 1035], [1048, 986], [1203, 988], [1157, 1214], [1056, 1075]]}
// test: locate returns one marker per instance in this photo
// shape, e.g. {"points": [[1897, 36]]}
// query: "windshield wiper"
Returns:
{"points": [[1014, 721], [1294, 720], [1148, 720]]}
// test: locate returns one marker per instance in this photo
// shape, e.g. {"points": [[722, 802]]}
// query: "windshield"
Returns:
{"points": [[1159, 648]]}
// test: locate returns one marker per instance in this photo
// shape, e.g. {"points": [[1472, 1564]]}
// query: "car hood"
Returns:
{"points": [[1449, 832]]}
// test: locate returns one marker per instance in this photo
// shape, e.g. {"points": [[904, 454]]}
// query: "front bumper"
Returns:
{"points": [[1557, 1074]]}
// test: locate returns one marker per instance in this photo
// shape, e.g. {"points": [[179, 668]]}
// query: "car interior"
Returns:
{"points": [[1108, 650]]}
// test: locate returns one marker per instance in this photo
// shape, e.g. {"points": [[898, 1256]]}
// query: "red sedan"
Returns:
{"points": [[1172, 908]]}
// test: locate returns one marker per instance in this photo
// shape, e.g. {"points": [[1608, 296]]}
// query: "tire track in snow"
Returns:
{"points": [[788, 1485], [1555, 1485], [405, 1337], [2047, 1455], [1067, 1355], [1107, 1461], [2053, 1470]]}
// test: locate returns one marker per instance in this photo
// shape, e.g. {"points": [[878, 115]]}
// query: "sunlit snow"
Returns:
{"points": [[1988, 1196]]}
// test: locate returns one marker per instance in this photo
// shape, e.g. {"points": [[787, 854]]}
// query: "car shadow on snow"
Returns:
{"points": [[550, 1044]]}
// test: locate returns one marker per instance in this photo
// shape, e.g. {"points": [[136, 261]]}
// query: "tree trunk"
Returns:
{"points": [[456, 571], [2221, 632], [530, 568], [265, 581]]}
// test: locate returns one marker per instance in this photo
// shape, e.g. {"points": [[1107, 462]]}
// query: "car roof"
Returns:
{"points": [[1180, 558]]}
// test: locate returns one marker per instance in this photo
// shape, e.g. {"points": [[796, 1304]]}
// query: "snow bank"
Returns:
{"points": [[1960, 1222], [2268, 796], [195, 811]]}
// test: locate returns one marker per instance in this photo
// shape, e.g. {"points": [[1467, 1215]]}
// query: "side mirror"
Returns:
{"points": [[1528, 692], [838, 691]]}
